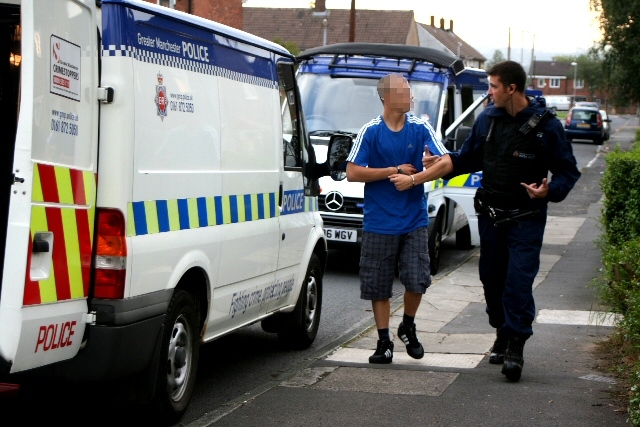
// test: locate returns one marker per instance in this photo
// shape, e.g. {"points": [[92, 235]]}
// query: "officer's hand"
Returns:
{"points": [[428, 159], [537, 191]]}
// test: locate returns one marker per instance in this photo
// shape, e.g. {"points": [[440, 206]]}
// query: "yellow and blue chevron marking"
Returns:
{"points": [[161, 216], [465, 180]]}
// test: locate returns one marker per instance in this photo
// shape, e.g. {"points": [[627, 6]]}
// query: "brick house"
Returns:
{"points": [[227, 12], [556, 78], [446, 40], [311, 27]]}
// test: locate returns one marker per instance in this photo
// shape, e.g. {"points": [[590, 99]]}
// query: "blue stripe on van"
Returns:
{"points": [[247, 208], [202, 211], [183, 209], [140, 218], [163, 215], [233, 202], [260, 206], [272, 204], [219, 219]]}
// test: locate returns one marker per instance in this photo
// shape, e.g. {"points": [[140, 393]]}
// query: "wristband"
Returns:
{"points": [[413, 182], [400, 170]]}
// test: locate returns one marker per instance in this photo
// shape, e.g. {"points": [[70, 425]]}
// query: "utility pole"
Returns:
{"points": [[352, 22], [509, 46]]}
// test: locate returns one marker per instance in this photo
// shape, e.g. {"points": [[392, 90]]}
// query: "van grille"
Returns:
{"points": [[351, 205]]}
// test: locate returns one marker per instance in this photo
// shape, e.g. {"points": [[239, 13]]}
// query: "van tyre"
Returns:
{"points": [[178, 363], [435, 245], [299, 328]]}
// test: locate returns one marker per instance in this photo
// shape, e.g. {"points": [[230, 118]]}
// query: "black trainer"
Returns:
{"points": [[409, 338], [496, 357], [513, 359], [384, 352]]}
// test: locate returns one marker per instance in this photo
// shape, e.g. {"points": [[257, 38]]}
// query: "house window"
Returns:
{"points": [[541, 83], [167, 3], [578, 84], [555, 83]]}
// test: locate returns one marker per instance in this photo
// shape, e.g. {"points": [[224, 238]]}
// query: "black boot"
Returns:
{"points": [[496, 357], [513, 359]]}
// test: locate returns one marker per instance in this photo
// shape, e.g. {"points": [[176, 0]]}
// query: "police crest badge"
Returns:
{"points": [[161, 97]]}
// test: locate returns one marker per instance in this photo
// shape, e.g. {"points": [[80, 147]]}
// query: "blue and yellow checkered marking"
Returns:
{"points": [[161, 216]]}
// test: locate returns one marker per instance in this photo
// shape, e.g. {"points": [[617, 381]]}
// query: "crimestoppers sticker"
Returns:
{"points": [[65, 68]]}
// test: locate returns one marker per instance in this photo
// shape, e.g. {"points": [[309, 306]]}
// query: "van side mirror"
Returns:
{"points": [[339, 149]]}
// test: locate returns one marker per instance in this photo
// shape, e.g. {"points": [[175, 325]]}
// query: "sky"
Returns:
{"points": [[550, 27]]}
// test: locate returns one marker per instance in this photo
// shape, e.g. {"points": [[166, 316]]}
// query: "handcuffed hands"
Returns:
{"points": [[402, 182]]}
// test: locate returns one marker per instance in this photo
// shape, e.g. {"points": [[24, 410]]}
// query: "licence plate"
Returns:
{"points": [[584, 125], [341, 234]]}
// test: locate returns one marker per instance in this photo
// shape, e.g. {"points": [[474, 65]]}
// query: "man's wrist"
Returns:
{"points": [[400, 171]]}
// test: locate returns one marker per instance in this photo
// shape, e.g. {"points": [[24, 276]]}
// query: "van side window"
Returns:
{"points": [[290, 120]]}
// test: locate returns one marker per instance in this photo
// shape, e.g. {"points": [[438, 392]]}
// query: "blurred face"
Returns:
{"points": [[398, 95], [500, 93]]}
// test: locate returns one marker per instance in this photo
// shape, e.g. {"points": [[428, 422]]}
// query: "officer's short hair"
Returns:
{"points": [[510, 73]]}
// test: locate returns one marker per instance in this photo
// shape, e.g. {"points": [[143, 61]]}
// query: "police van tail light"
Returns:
{"points": [[110, 261]]}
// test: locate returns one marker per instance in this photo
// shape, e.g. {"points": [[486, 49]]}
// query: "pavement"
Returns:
{"points": [[454, 385]]}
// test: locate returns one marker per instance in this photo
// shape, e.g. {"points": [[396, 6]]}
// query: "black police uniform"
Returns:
{"points": [[510, 151]]}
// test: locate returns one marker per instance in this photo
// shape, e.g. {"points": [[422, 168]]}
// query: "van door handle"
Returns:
{"points": [[280, 195], [17, 179], [40, 246]]}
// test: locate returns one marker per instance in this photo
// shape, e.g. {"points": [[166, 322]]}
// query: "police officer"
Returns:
{"points": [[516, 142]]}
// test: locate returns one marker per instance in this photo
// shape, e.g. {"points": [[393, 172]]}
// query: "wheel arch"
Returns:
{"points": [[196, 282]]}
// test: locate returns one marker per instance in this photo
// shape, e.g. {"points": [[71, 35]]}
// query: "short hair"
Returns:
{"points": [[510, 73], [384, 84]]}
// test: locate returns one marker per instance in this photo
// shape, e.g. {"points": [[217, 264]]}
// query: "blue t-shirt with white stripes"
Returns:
{"points": [[387, 210]]}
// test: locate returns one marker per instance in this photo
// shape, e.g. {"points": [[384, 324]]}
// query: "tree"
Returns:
{"points": [[498, 56], [620, 46], [292, 47], [590, 70]]}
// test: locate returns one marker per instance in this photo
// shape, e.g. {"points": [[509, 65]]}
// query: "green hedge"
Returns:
{"points": [[621, 188], [619, 286]]}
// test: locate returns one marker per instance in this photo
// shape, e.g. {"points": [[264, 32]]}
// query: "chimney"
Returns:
{"points": [[442, 23], [433, 21], [451, 25], [320, 6]]}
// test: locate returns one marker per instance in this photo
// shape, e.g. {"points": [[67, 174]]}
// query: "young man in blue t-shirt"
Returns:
{"points": [[395, 222]]}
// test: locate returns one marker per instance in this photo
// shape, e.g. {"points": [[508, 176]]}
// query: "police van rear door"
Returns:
{"points": [[47, 262]]}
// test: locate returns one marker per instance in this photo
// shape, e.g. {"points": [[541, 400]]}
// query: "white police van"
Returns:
{"points": [[162, 194], [338, 86]]}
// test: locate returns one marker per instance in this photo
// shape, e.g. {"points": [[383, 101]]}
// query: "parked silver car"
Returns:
{"points": [[606, 127], [587, 104]]}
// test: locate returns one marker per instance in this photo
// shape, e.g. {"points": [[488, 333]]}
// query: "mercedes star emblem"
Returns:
{"points": [[334, 201]]}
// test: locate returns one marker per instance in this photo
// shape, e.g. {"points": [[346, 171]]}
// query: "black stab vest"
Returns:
{"points": [[511, 157]]}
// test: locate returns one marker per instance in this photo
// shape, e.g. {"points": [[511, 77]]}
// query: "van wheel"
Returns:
{"points": [[179, 353], [463, 237], [299, 328], [435, 244]]}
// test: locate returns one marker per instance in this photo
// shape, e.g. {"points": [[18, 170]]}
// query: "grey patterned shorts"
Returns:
{"points": [[379, 253]]}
